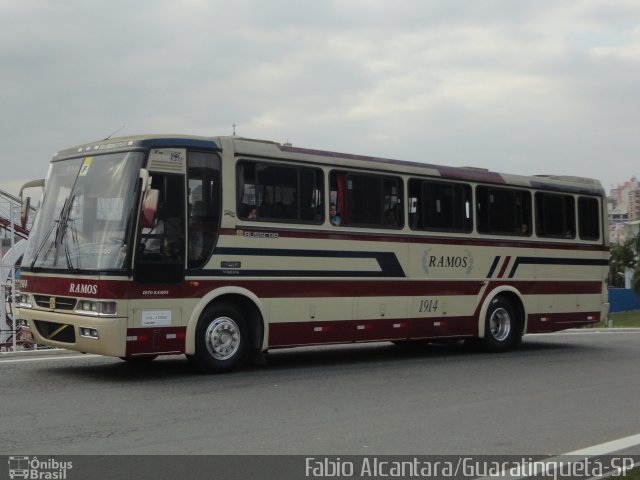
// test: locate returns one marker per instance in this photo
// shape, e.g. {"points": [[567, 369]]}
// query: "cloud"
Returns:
{"points": [[522, 87]]}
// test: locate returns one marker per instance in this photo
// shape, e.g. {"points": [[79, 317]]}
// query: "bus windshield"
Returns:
{"points": [[85, 217]]}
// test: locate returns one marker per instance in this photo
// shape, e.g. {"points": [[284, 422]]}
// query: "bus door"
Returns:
{"points": [[182, 230], [160, 253]]}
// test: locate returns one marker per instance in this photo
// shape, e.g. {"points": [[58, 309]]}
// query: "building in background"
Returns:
{"points": [[624, 211]]}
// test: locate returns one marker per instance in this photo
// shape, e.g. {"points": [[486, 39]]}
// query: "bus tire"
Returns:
{"points": [[501, 327], [222, 339]]}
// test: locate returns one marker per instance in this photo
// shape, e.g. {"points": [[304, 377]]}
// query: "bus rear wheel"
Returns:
{"points": [[501, 327], [222, 339]]}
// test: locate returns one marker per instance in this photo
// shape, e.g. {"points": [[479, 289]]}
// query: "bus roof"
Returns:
{"points": [[139, 141], [245, 146], [267, 148]]}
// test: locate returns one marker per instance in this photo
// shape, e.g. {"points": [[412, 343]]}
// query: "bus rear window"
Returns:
{"points": [[588, 218]]}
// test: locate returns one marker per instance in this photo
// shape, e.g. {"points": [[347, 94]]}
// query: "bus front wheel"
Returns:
{"points": [[501, 327], [222, 339]]}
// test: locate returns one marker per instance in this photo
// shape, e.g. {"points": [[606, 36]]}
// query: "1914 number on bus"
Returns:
{"points": [[428, 305]]}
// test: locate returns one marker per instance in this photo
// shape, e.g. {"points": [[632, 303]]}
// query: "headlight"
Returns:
{"points": [[94, 307], [89, 332], [24, 300]]}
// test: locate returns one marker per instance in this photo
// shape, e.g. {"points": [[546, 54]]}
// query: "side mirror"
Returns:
{"points": [[24, 212], [25, 207], [150, 208]]}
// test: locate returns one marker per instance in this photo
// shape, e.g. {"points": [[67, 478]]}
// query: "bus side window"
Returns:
{"points": [[203, 206], [440, 206], [555, 215], [279, 192], [367, 199], [503, 211]]}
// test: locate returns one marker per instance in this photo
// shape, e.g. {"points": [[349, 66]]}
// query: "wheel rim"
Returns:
{"points": [[222, 338], [500, 324]]}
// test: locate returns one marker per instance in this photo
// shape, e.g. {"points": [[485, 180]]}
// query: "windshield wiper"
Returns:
{"points": [[70, 225], [60, 224], [46, 237]]}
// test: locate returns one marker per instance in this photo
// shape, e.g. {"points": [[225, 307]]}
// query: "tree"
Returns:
{"points": [[622, 257], [635, 280], [634, 244]]}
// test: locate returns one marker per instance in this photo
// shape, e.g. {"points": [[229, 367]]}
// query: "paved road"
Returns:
{"points": [[558, 393]]}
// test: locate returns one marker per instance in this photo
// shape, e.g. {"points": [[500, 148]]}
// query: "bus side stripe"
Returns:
{"points": [[388, 261], [395, 236], [198, 286], [507, 259], [494, 265], [585, 262]]}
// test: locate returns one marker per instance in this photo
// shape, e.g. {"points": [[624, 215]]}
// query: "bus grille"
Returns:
{"points": [[60, 332], [61, 303]]}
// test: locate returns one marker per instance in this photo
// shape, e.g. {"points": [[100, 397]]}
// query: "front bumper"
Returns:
{"points": [[108, 334]]}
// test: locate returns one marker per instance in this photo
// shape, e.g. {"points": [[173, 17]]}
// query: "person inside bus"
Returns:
{"points": [[151, 244], [334, 217], [391, 217], [162, 240]]}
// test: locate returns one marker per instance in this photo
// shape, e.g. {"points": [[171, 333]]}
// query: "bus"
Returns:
{"points": [[220, 248], [19, 467]]}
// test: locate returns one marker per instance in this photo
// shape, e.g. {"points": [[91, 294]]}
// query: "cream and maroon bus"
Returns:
{"points": [[222, 247]]}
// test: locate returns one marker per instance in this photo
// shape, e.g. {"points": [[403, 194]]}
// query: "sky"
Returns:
{"points": [[524, 87]]}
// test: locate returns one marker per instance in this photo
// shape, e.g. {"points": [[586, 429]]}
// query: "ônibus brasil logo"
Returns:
{"points": [[37, 469]]}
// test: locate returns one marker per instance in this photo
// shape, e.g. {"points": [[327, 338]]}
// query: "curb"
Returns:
{"points": [[604, 329], [41, 352], [591, 330]]}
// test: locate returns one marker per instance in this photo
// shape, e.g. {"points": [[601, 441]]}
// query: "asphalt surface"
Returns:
{"points": [[556, 394]]}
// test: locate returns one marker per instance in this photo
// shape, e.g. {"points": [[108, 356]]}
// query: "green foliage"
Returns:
{"points": [[624, 320], [635, 280], [622, 257]]}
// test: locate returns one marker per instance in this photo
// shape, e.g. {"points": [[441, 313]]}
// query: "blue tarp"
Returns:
{"points": [[623, 300]]}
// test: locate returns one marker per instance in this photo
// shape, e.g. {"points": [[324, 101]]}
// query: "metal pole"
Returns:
{"points": [[13, 279]]}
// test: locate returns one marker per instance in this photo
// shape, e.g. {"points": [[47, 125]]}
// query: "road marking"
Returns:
{"points": [[549, 465], [46, 359], [608, 447], [606, 332]]}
